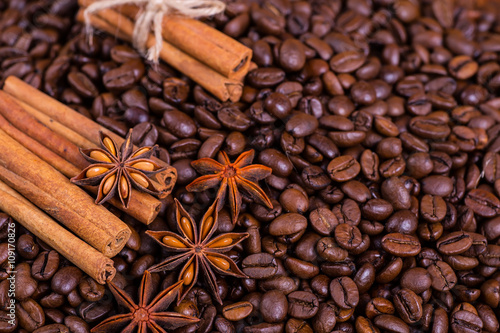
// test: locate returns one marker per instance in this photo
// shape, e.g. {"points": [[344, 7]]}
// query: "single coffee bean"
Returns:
{"points": [[259, 266], [379, 306], [237, 311], [45, 265], [408, 305], [302, 305], [323, 221], [483, 203], [273, 306], [416, 279], [391, 324], [454, 243], [66, 280], [442, 275], [465, 321], [344, 292], [348, 236], [401, 245], [343, 168]]}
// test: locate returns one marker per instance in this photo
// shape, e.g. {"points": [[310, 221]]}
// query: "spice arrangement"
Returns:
{"points": [[330, 166]]}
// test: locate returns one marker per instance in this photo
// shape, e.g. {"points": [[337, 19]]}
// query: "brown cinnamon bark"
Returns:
{"points": [[101, 229], [47, 155], [56, 127], [88, 259], [26, 123], [204, 43], [79, 124], [142, 206], [220, 86]]}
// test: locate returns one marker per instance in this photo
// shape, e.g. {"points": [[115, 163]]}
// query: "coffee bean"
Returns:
{"points": [[343, 168], [483, 203], [465, 321], [454, 243], [442, 275], [237, 311], [401, 245], [273, 306], [45, 265], [66, 280], [344, 292], [302, 305], [408, 305], [259, 266]]}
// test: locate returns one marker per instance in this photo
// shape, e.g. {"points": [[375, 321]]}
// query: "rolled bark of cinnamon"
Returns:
{"points": [[220, 86], [101, 229], [57, 127], [210, 46], [142, 206], [27, 124], [47, 155], [81, 125], [85, 257]]}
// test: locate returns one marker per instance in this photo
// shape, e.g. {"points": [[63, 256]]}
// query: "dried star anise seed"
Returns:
{"points": [[236, 176], [198, 250], [149, 314], [118, 170]]}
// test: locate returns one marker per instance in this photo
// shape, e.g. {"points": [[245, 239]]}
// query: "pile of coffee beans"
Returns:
{"points": [[380, 122]]}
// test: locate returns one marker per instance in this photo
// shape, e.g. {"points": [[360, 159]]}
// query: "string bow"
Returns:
{"points": [[152, 16]]}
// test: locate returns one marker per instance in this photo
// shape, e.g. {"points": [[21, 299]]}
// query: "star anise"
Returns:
{"points": [[148, 314], [118, 170], [239, 175], [198, 250]]}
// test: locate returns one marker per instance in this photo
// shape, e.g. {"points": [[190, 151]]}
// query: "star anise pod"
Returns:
{"points": [[148, 314], [118, 170], [232, 177], [196, 247]]}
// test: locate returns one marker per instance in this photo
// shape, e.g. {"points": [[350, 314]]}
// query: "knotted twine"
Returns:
{"points": [[152, 16]]}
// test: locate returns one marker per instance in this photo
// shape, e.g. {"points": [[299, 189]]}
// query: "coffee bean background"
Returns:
{"points": [[381, 123]]}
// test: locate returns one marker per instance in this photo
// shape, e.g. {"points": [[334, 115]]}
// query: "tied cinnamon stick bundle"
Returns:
{"points": [[85, 257], [220, 86], [142, 206], [215, 49], [99, 227], [78, 123]]}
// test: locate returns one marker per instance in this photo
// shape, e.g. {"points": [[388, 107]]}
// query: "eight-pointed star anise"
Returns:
{"points": [[198, 249], [148, 314], [118, 170], [233, 176]]}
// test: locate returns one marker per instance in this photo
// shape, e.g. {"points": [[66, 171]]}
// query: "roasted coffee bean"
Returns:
{"points": [[348, 236], [454, 243], [237, 311], [483, 203], [260, 266], [408, 305], [391, 324], [45, 266], [343, 168], [442, 275], [302, 305], [344, 292], [66, 280], [401, 245], [465, 321], [328, 249], [416, 279], [323, 221], [379, 306], [273, 306]]}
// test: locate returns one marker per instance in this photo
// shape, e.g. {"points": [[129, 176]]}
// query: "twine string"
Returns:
{"points": [[152, 16]]}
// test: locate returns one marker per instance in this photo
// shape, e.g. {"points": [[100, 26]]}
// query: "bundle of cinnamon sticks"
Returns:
{"points": [[40, 139], [212, 59]]}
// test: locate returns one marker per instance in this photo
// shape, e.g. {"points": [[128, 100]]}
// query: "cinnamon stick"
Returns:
{"points": [[217, 84], [26, 123], [102, 230], [142, 206], [47, 155], [56, 127], [204, 43], [88, 259], [79, 124]]}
